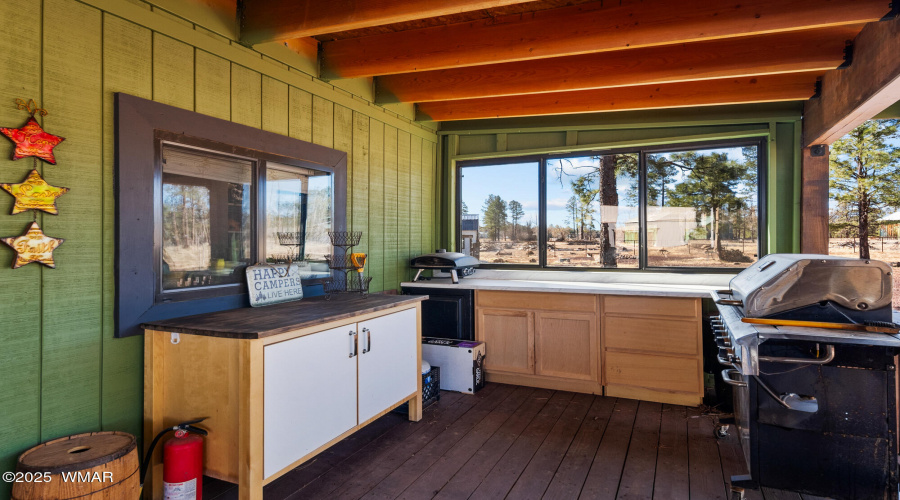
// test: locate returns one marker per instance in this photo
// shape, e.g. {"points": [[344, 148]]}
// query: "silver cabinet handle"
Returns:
{"points": [[726, 377], [368, 346], [352, 343]]}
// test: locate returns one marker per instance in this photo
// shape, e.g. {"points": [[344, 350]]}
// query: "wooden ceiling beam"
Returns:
{"points": [[272, 20], [583, 29], [769, 88], [855, 94], [791, 52]]}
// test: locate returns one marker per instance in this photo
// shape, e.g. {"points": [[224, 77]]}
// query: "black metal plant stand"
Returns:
{"points": [[345, 276]]}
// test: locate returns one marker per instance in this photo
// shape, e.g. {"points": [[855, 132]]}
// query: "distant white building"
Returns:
{"points": [[666, 226], [890, 225]]}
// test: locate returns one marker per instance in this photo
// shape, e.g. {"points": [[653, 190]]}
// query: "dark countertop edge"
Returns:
{"points": [[170, 325]]}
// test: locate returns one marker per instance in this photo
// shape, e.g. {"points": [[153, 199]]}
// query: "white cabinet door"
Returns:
{"points": [[387, 364], [310, 395]]}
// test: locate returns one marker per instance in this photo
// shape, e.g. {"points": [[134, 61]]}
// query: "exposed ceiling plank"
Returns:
{"points": [[791, 52], [853, 95], [271, 20], [770, 88], [583, 29]]}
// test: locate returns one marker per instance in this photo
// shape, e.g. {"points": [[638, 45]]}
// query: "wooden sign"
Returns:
{"points": [[273, 284]]}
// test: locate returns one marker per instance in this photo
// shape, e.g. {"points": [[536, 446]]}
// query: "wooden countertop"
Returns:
{"points": [[259, 322]]}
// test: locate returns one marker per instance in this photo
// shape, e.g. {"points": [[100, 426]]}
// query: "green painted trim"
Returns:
{"points": [[616, 144], [253, 60], [771, 176], [798, 184], [679, 117]]}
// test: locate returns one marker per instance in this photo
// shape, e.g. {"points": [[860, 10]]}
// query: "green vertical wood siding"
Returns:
{"points": [[61, 370]]}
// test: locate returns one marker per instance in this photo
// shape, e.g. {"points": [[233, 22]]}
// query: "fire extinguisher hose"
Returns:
{"points": [[185, 426]]}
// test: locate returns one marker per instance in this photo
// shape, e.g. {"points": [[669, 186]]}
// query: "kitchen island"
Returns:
{"points": [[280, 384]]}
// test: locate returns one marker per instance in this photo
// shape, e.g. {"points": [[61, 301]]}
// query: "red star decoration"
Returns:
{"points": [[31, 140]]}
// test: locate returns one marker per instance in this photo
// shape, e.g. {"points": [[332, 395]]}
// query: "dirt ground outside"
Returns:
{"points": [[736, 254], [883, 249]]}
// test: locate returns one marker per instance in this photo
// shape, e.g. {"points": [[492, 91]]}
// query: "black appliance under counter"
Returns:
{"points": [[449, 313]]}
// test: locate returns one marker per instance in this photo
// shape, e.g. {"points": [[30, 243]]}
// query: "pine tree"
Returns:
{"points": [[515, 213], [494, 216], [865, 171], [712, 183]]}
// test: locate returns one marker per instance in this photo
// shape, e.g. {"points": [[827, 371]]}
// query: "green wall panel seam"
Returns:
{"points": [[182, 33]]}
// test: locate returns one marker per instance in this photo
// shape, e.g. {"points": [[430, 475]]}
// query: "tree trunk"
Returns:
{"points": [[608, 198], [717, 238], [864, 227]]}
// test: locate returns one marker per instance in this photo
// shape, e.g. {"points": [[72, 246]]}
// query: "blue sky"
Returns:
{"points": [[519, 181]]}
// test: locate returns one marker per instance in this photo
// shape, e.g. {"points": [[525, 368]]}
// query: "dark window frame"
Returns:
{"points": [[141, 128], [641, 152]]}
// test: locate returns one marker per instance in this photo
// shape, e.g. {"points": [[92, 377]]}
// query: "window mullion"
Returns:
{"points": [[542, 212]]}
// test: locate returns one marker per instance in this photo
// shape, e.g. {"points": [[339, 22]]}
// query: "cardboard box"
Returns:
{"points": [[461, 362]]}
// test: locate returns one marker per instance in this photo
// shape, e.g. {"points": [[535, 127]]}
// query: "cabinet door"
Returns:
{"points": [[509, 339], [388, 361], [566, 345], [310, 395]]}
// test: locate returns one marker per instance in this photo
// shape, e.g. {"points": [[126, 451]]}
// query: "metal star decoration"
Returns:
{"points": [[33, 246], [31, 140], [34, 194]]}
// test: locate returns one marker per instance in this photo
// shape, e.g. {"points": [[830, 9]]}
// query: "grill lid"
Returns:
{"points": [[443, 260], [782, 282]]}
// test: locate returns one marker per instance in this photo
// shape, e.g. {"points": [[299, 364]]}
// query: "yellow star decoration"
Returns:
{"points": [[34, 194], [33, 246]]}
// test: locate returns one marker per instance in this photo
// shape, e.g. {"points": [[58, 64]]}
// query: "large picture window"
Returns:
{"points": [[688, 207], [198, 199]]}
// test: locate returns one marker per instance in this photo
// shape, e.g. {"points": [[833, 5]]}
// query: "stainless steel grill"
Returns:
{"points": [[815, 408]]}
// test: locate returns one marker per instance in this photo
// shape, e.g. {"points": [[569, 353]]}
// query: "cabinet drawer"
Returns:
{"points": [[653, 372], [651, 306], [652, 335], [575, 302]]}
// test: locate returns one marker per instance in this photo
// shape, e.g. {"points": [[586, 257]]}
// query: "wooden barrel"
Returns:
{"points": [[92, 466]]}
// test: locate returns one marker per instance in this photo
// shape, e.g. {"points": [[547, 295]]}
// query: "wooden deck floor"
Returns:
{"points": [[522, 443]]}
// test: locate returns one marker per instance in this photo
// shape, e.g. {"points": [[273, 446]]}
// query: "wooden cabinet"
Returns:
{"points": [[274, 402], [510, 333], [566, 345], [538, 339], [633, 346], [298, 371], [388, 353], [652, 349]]}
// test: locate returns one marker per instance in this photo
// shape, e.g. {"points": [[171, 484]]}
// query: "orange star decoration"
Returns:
{"points": [[33, 246], [31, 140], [34, 194]]}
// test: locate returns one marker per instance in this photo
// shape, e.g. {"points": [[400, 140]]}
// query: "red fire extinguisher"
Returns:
{"points": [[182, 462]]}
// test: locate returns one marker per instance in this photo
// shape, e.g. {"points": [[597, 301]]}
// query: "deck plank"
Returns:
{"points": [[705, 468], [672, 481], [504, 475], [537, 476], [432, 480], [733, 463], [602, 481], [773, 494], [451, 405], [365, 478], [575, 465], [328, 459], [469, 477], [410, 470], [640, 464]]}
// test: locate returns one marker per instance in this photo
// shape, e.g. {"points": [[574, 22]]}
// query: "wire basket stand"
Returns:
{"points": [[293, 239], [345, 275]]}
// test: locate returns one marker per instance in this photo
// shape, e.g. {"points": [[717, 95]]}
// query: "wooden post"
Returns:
{"points": [[814, 196], [250, 446], [415, 404], [154, 385]]}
